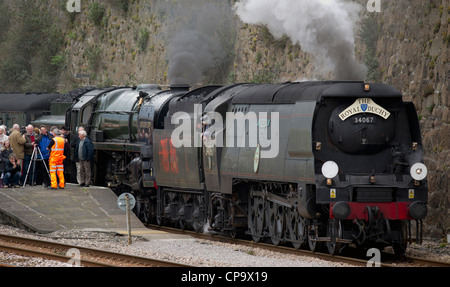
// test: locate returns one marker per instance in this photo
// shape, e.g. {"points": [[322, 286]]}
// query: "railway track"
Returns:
{"points": [[389, 259], [3, 264], [88, 257]]}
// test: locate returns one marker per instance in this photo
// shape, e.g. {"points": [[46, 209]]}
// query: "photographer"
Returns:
{"points": [[12, 172], [42, 142], [27, 161], [17, 142]]}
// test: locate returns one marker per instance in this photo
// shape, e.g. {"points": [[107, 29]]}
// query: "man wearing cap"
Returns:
{"points": [[57, 157], [84, 154]]}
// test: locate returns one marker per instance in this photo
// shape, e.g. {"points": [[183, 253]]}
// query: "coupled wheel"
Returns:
{"points": [[182, 224], [275, 222], [198, 218], [313, 242], [296, 226], [143, 208], [159, 207], [181, 221], [256, 218], [334, 231]]}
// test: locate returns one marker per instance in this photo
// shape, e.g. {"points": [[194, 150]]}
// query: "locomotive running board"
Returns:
{"points": [[328, 239], [272, 197]]}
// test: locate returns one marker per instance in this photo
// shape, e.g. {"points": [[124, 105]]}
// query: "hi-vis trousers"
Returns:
{"points": [[57, 167]]}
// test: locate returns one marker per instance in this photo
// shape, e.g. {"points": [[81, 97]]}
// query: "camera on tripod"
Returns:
{"points": [[34, 158]]}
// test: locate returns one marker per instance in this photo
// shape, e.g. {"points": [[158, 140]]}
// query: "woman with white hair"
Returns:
{"points": [[3, 137]]}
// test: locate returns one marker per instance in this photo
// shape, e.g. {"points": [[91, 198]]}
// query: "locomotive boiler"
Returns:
{"points": [[309, 163]]}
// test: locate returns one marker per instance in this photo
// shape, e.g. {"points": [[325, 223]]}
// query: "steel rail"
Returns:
{"points": [[320, 255], [84, 252], [51, 256]]}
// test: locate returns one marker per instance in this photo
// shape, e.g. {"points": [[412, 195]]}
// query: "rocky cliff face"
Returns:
{"points": [[125, 42], [412, 51]]}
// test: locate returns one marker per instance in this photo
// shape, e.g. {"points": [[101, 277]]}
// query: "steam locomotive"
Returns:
{"points": [[310, 163]]}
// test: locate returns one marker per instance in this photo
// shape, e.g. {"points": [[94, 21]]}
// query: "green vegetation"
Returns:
{"points": [[96, 13], [30, 58], [143, 37], [264, 76], [94, 57], [4, 20], [369, 34], [123, 4]]}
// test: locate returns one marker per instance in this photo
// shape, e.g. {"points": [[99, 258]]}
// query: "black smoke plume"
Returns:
{"points": [[201, 39]]}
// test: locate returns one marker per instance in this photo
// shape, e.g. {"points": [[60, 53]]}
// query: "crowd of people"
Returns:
{"points": [[36, 156]]}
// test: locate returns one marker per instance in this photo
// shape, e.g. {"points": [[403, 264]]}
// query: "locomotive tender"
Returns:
{"points": [[347, 166]]}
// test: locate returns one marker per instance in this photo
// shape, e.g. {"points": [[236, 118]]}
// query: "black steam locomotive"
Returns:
{"points": [[308, 163]]}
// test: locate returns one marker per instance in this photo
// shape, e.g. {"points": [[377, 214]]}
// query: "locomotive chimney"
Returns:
{"points": [[180, 87]]}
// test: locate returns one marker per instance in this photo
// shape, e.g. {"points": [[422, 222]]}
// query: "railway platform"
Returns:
{"points": [[41, 210]]}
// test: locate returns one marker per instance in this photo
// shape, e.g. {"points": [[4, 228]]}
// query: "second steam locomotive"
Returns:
{"points": [[310, 163]]}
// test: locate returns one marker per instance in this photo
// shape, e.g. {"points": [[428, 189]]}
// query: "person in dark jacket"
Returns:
{"points": [[30, 138], [4, 155], [75, 139], [12, 172], [84, 153], [4, 158]]}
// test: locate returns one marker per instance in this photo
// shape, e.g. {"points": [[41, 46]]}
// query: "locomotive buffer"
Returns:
{"points": [[33, 161]]}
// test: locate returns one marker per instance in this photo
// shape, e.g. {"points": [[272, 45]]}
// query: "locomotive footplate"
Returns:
{"points": [[328, 239]]}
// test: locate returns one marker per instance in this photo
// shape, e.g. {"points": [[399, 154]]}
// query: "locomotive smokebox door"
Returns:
{"points": [[361, 127]]}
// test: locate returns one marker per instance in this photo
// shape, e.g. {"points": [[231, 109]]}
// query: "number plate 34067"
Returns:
{"points": [[364, 120]]}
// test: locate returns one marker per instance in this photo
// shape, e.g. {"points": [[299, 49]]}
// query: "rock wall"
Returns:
{"points": [[412, 52]]}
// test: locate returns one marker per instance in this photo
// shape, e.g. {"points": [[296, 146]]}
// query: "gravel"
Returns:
{"points": [[26, 261], [198, 252]]}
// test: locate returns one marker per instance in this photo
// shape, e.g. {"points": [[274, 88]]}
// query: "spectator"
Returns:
{"points": [[74, 143], [12, 172], [30, 138], [17, 142], [3, 137], [6, 130], [52, 129], [42, 141], [4, 155], [84, 153], [63, 131], [4, 158], [57, 157]]}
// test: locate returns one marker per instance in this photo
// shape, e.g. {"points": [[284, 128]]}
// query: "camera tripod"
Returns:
{"points": [[33, 162]]}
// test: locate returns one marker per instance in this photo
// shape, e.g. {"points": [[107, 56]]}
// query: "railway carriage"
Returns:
{"points": [[35, 108]]}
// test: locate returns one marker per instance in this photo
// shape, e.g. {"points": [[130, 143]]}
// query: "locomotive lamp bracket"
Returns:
{"points": [[414, 146], [318, 145]]}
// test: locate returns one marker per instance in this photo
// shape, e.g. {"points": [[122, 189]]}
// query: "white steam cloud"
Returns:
{"points": [[324, 28]]}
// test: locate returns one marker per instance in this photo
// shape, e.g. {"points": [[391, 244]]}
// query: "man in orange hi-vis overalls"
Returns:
{"points": [[56, 160]]}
